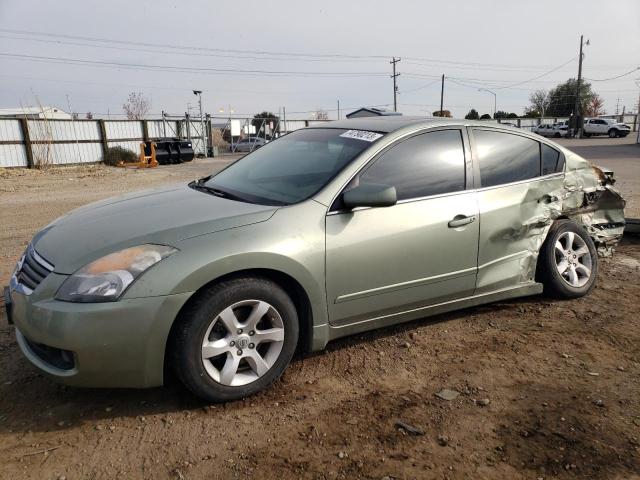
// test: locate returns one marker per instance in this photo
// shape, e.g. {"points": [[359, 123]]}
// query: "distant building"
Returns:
{"points": [[35, 113], [371, 112]]}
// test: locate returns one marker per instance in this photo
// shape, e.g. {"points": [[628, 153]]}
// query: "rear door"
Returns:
{"points": [[519, 190], [381, 261]]}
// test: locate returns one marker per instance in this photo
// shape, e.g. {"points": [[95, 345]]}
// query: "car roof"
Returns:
{"points": [[388, 124]]}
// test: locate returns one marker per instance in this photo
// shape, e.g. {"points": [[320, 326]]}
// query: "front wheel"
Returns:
{"points": [[235, 339], [613, 133], [568, 261]]}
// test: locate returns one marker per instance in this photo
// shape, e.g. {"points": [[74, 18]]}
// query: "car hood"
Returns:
{"points": [[162, 216]]}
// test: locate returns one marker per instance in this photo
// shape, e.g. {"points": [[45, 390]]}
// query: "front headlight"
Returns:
{"points": [[106, 279]]}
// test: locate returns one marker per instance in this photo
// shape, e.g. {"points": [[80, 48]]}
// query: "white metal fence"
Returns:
{"points": [[31, 142]]}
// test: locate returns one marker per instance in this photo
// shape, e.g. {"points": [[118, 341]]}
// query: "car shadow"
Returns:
{"points": [[33, 402]]}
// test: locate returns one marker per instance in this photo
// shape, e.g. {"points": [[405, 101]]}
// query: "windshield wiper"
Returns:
{"points": [[199, 185]]}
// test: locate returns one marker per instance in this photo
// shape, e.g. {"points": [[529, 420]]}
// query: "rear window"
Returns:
{"points": [[552, 161], [505, 157]]}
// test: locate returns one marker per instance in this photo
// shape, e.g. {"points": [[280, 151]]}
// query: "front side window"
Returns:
{"points": [[423, 165], [291, 168], [505, 157]]}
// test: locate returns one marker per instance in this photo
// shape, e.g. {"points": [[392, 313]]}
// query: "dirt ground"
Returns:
{"points": [[546, 389]]}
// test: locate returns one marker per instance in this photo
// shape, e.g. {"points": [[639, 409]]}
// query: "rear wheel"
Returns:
{"points": [[613, 133], [568, 261], [235, 339]]}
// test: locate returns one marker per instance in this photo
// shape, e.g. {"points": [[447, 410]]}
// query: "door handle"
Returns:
{"points": [[461, 220]]}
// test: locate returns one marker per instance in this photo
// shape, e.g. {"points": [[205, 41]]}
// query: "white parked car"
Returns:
{"points": [[555, 130], [605, 126]]}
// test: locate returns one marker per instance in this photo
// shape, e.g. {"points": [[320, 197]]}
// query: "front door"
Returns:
{"points": [[421, 251]]}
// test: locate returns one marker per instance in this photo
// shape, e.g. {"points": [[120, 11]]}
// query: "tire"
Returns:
{"points": [[613, 133], [213, 379], [587, 135], [561, 279], [557, 135]]}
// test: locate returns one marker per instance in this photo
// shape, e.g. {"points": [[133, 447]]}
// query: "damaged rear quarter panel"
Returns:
{"points": [[590, 200], [515, 219]]}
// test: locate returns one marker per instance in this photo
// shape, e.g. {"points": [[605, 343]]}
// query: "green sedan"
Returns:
{"points": [[325, 232]]}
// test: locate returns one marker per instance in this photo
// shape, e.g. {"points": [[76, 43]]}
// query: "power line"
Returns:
{"points": [[537, 77], [191, 49], [427, 85], [613, 78], [171, 68]]}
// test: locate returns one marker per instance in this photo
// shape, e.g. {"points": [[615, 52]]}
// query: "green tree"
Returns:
{"points": [[485, 116], [260, 120], [472, 115], [562, 98]]}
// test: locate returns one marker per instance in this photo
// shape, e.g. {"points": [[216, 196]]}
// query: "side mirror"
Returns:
{"points": [[371, 195]]}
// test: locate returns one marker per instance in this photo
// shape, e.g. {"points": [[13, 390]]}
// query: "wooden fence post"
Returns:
{"points": [[103, 139], [26, 138]]}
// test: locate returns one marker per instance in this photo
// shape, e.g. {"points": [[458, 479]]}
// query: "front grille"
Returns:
{"points": [[32, 270]]}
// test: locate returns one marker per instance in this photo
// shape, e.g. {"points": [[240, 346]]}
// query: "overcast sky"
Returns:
{"points": [[316, 53]]}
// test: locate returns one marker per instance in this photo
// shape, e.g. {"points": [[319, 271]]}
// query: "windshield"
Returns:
{"points": [[292, 168]]}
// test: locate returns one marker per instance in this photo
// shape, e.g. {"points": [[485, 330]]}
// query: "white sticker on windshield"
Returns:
{"points": [[362, 135]]}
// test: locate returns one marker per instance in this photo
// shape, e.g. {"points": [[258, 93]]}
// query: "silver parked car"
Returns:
{"points": [[249, 144], [328, 231]]}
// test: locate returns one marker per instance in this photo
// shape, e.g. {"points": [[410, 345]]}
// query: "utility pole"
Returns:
{"points": [[204, 137], [442, 96], [577, 112], [338, 109], [395, 83], [618, 106]]}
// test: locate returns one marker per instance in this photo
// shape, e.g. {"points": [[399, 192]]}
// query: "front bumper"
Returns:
{"points": [[115, 344]]}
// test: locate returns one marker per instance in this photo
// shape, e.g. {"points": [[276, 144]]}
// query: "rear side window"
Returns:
{"points": [[427, 164], [552, 161], [506, 158]]}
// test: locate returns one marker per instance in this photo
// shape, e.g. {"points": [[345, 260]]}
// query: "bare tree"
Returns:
{"points": [[539, 100], [321, 115], [595, 106], [89, 116], [137, 106]]}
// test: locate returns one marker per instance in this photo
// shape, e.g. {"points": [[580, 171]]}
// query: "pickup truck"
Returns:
{"points": [[605, 126]]}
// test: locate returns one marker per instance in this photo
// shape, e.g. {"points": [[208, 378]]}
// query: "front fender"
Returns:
{"points": [[291, 242]]}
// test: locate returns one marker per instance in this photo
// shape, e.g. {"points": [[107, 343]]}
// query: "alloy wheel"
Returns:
{"points": [[242, 342], [573, 259]]}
